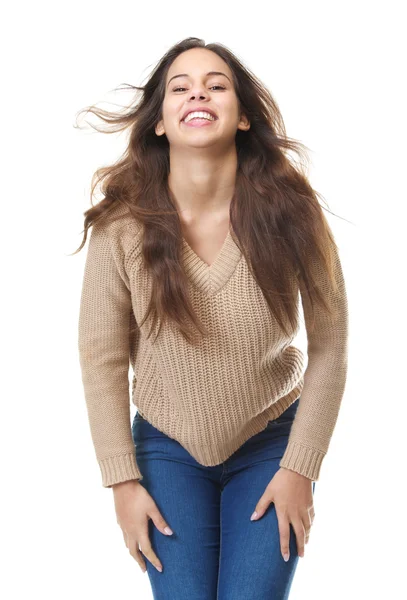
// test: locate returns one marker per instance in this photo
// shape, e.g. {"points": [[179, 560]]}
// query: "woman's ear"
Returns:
{"points": [[159, 128]]}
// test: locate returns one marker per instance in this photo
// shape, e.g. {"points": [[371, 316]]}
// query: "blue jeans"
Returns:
{"points": [[216, 552]]}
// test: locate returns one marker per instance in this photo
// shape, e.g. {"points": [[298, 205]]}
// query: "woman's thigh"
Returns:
{"points": [[251, 563], [188, 496], [216, 552]]}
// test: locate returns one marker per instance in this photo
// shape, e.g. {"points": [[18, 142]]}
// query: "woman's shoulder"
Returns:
{"points": [[119, 218], [119, 224], [124, 232]]}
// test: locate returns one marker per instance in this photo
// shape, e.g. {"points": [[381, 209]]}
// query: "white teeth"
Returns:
{"points": [[200, 115]]}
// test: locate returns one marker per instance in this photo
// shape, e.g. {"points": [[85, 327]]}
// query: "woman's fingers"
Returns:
{"points": [[311, 513], [159, 520], [284, 531], [139, 548], [301, 528], [291, 494], [307, 520], [134, 550], [299, 531], [147, 549], [134, 507]]}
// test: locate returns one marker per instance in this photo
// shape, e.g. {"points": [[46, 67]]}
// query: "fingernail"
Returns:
{"points": [[254, 515], [159, 568], [286, 557], [168, 531]]}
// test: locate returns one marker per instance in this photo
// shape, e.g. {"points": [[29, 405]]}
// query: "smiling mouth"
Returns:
{"points": [[197, 118], [198, 123]]}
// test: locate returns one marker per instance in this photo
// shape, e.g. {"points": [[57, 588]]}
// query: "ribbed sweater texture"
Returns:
{"points": [[213, 396]]}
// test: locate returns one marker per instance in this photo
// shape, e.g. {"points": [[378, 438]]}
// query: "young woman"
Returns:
{"points": [[205, 239]]}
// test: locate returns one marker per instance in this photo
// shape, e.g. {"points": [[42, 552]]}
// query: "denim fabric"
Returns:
{"points": [[216, 552]]}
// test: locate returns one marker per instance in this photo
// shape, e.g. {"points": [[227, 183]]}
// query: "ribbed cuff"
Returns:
{"points": [[116, 469], [302, 459]]}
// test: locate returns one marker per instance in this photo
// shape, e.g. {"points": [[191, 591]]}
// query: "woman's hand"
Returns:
{"points": [[134, 506], [292, 496]]}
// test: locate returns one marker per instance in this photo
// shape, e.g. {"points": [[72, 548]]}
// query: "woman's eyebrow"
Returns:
{"points": [[210, 73]]}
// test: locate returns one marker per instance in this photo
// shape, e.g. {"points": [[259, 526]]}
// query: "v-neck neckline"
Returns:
{"points": [[211, 278]]}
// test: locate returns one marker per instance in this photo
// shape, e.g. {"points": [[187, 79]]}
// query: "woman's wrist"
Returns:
{"points": [[125, 484]]}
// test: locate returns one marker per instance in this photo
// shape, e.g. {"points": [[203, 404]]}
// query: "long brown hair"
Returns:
{"points": [[277, 220]]}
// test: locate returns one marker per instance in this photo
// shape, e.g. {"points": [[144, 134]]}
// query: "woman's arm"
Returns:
{"points": [[104, 351], [324, 379]]}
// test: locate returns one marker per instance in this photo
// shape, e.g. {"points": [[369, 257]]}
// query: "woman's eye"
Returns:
{"points": [[213, 86]]}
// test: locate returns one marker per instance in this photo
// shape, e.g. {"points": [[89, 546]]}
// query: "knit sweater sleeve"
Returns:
{"points": [[324, 378], [104, 352]]}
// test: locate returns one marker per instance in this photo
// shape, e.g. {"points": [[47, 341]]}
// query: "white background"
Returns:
{"points": [[337, 71]]}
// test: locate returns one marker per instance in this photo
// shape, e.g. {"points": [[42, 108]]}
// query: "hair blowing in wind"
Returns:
{"points": [[275, 214]]}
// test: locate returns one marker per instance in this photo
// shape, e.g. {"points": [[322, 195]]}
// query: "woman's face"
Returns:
{"points": [[196, 89]]}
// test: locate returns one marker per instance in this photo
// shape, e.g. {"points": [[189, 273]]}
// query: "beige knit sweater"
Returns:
{"points": [[212, 397]]}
